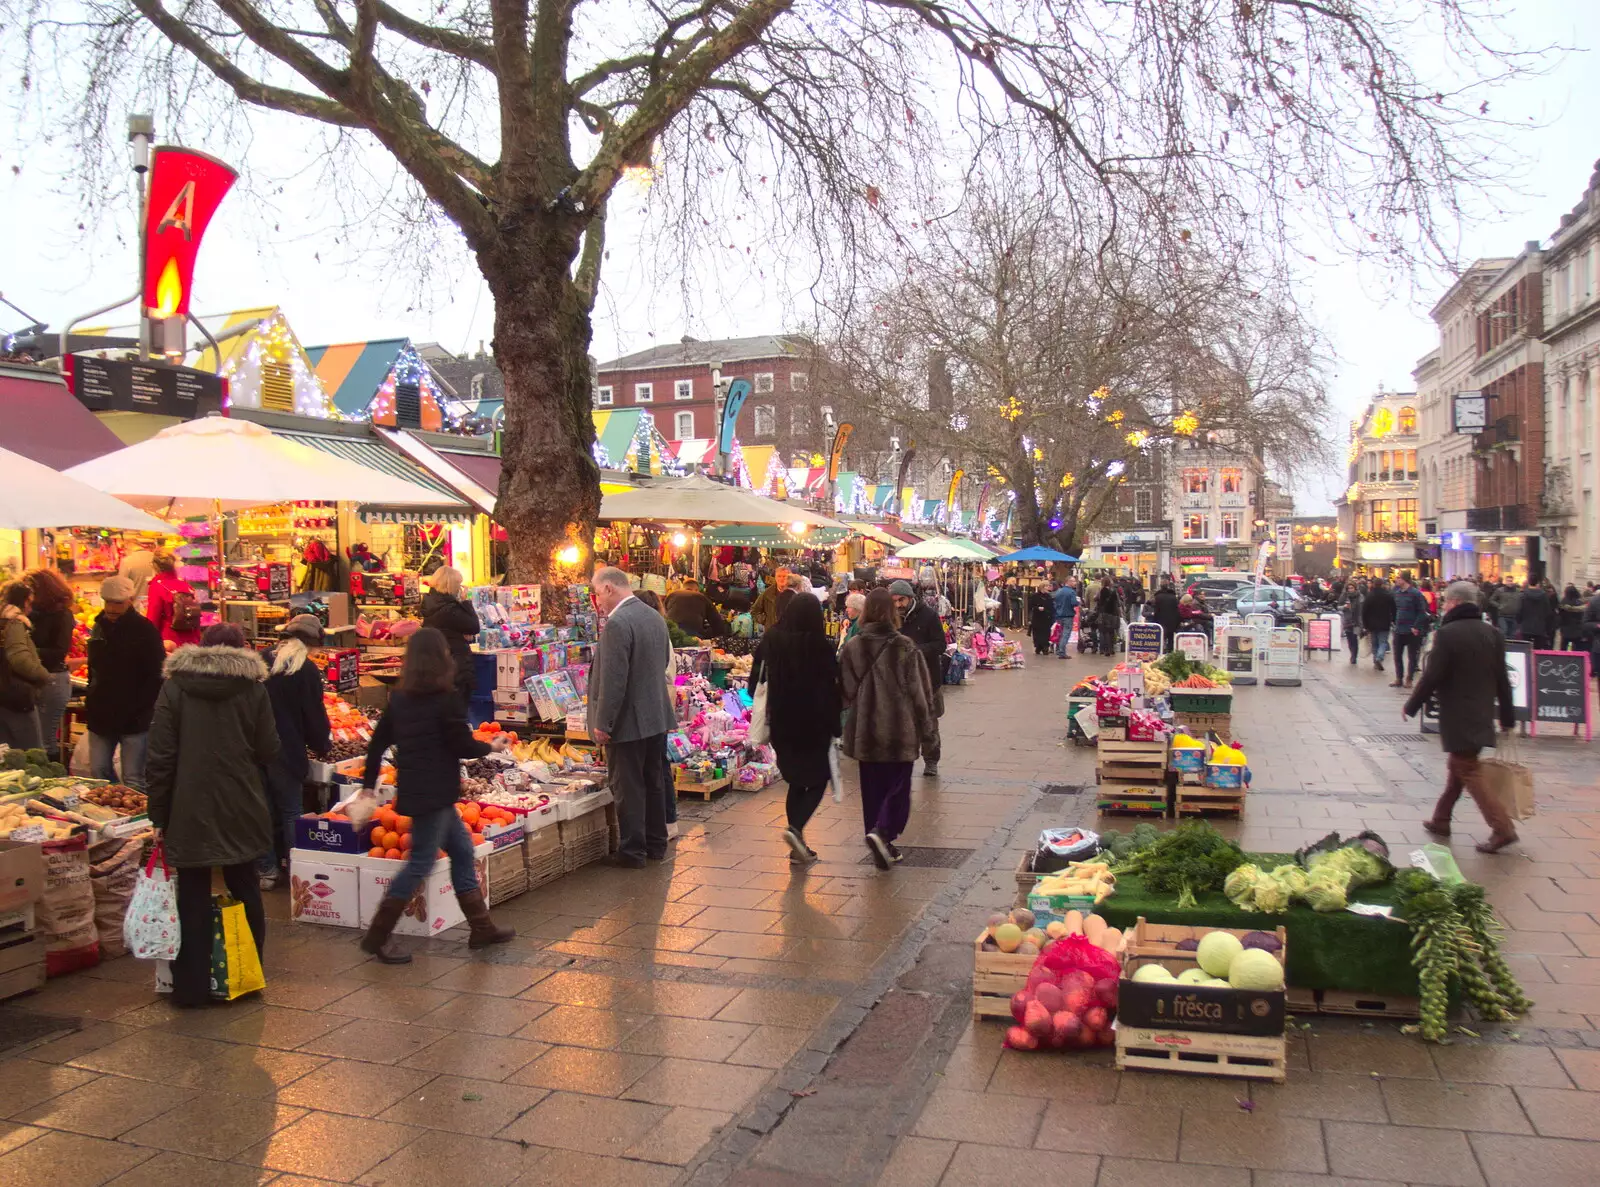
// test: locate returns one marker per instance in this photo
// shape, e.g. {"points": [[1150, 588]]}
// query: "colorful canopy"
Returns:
{"points": [[702, 500], [1036, 553]]}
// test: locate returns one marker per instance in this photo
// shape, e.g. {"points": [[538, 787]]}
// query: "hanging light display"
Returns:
{"points": [[272, 372]]}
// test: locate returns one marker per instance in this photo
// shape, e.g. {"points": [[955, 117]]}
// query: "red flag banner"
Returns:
{"points": [[186, 187]]}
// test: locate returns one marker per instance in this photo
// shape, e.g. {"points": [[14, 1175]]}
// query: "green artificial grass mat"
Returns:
{"points": [[1327, 950]]}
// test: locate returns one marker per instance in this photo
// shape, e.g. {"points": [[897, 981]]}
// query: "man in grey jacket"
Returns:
{"points": [[630, 715]]}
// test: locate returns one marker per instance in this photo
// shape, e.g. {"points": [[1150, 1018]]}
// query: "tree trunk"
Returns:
{"points": [[549, 483]]}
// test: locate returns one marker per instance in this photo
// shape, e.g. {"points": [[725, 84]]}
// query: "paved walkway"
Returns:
{"points": [[727, 1019]]}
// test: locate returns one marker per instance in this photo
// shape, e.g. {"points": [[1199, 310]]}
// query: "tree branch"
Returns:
{"points": [[445, 41]]}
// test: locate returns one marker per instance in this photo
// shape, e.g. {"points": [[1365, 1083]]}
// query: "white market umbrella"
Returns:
{"points": [[935, 550], [216, 464], [700, 500], [35, 496]]}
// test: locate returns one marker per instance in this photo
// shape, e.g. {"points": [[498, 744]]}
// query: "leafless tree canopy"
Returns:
{"points": [[1071, 349], [1219, 121]]}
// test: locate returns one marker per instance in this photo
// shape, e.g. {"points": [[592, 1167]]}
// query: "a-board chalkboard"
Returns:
{"points": [[1561, 687], [1519, 668]]}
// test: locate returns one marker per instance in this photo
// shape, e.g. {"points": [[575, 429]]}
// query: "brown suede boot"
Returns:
{"points": [[376, 941], [483, 929]]}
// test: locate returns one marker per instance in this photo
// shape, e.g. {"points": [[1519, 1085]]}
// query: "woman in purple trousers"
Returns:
{"points": [[888, 720]]}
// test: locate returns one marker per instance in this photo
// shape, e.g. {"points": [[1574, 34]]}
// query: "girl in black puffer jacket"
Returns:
{"points": [[445, 611], [427, 724]]}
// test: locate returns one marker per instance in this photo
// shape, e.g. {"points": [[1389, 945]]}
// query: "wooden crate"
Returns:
{"points": [[1160, 940], [1119, 795], [1367, 1005], [704, 790], [996, 976], [1195, 800], [1133, 761], [1025, 879], [1199, 724], [1198, 1053], [1300, 1001]]}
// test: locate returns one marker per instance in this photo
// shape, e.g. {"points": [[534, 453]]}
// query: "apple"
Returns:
{"points": [[1077, 999], [1036, 1020], [1105, 992], [1064, 1029], [1050, 997], [1096, 1018], [1020, 1040], [1019, 1004]]}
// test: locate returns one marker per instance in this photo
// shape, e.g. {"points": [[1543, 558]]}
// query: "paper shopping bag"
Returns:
{"points": [[1511, 786], [235, 963]]}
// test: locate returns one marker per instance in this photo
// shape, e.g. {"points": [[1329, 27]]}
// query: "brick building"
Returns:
{"points": [[1508, 454]]}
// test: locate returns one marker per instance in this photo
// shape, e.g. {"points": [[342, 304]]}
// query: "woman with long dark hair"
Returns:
{"points": [[23, 677], [889, 720], [52, 636], [803, 708], [210, 737], [427, 724]]}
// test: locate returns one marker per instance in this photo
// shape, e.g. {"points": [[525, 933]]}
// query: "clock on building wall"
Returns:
{"points": [[1471, 412]]}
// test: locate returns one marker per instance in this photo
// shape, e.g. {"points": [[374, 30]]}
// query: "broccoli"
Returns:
{"points": [[57, 771], [14, 760], [35, 757]]}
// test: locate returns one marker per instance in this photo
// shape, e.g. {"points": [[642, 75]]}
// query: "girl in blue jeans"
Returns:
{"points": [[427, 724]]}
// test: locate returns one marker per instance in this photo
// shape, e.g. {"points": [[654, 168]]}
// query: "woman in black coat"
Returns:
{"points": [[427, 724], [295, 689], [1163, 609], [803, 711], [1041, 617], [53, 625], [447, 612]]}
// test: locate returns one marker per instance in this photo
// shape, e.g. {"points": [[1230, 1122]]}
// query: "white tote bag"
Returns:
{"points": [[760, 732], [150, 926]]}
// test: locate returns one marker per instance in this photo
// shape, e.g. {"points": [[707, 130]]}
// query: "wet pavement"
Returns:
{"points": [[726, 1018]]}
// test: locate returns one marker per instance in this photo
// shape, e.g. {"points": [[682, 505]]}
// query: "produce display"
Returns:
{"points": [[1189, 860], [1182, 672], [1121, 845], [21, 770], [125, 800], [1085, 879], [35, 815], [348, 724], [1454, 936], [391, 832], [1070, 999], [1017, 931], [1225, 961]]}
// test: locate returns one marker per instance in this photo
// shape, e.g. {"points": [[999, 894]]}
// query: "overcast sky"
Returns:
{"points": [[287, 256]]}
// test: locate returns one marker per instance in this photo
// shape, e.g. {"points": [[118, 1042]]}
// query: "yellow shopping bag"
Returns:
{"points": [[235, 963]]}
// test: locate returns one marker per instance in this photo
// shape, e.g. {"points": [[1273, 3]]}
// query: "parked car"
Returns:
{"points": [[1277, 600], [1217, 589]]}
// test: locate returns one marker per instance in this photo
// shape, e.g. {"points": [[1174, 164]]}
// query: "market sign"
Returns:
{"points": [[414, 516], [1519, 670], [345, 671], [1192, 647], [121, 385], [1282, 663], [1239, 653], [1144, 642], [1561, 688], [185, 189]]}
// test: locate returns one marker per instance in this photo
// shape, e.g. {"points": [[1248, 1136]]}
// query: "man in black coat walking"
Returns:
{"points": [[1377, 616], [1536, 617], [1163, 609], [125, 660], [1466, 671], [921, 625]]}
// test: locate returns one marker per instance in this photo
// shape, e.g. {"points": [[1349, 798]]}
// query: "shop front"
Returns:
{"points": [[1382, 556], [1144, 555], [1508, 558], [1191, 559]]}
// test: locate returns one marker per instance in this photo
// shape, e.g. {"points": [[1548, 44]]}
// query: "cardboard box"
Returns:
{"points": [[21, 874], [324, 888], [503, 836], [331, 836], [432, 909], [511, 698], [1167, 1005]]}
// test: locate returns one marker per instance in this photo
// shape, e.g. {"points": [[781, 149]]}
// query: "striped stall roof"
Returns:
{"points": [[375, 456]]}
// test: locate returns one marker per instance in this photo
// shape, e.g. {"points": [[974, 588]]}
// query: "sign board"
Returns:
{"points": [[1281, 665], [1261, 560], [1193, 647], [1239, 653], [1261, 622], [1561, 688], [1471, 412], [1319, 633], [1146, 642], [344, 670], [184, 189], [419, 516], [1285, 536], [277, 581], [121, 385], [1519, 667]]}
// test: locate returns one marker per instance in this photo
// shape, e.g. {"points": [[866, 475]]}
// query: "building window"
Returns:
{"points": [[1408, 420], [643, 393], [1144, 504], [1406, 516], [1230, 525], [1232, 481], [1410, 458], [799, 381], [1383, 515], [1144, 468], [684, 426], [683, 389], [1196, 527], [1196, 482], [1372, 466], [799, 422], [764, 383], [1385, 465], [766, 422], [603, 397]]}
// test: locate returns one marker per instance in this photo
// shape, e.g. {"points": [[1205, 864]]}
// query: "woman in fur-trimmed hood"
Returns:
{"points": [[211, 736]]}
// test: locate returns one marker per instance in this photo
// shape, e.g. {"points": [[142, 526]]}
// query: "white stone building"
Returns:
{"points": [[1568, 517], [1378, 512]]}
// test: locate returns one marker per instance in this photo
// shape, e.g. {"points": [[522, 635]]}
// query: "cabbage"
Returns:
{"points": [[1193, 977], [1240, 885], [1271, 896], [1255, 969], [1216, 952], [1326, 891], [1152, 972], [1291, 878], [1264, 940]]}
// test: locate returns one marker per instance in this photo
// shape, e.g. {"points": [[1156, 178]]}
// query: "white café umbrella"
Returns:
{"points": [[935, 550], [701, 501], [216, 464], [35, 496]]}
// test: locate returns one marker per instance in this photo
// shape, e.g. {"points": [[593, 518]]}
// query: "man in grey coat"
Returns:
{"points": [[630, 714]]}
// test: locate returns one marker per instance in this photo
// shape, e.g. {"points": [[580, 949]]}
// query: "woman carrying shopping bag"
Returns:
{"points": [[802, 705], [211, 735], [888, 721], [427, 724]]}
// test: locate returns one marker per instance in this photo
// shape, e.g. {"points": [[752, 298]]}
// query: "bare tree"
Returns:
{"points": [[516, 118], [1067, 361]]}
